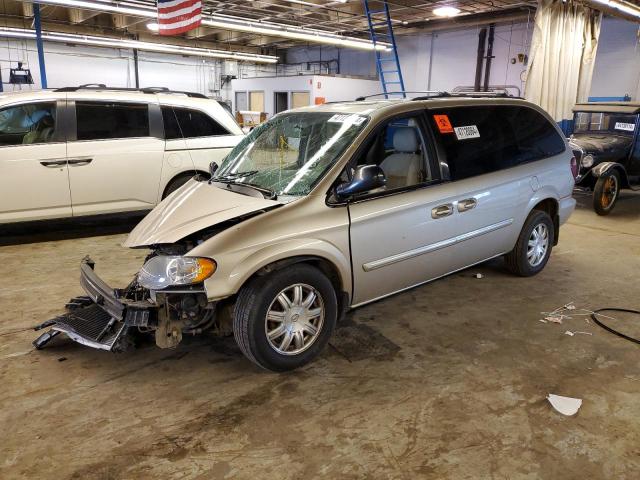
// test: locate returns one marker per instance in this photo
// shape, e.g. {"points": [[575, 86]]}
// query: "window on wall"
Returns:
{"points": [[28, 124], [300, 99], [484, 139], [256, 101], [104, 121], [188, 123]]}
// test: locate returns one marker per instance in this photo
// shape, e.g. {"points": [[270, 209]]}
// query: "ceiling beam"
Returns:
{"points": [[77, 16]]}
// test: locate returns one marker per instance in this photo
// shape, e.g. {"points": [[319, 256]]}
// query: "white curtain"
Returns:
{"points": [[562, 54]]}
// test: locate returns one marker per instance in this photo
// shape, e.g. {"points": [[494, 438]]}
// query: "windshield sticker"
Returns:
{"points": [[627, 127], [443, 123], [463, 133], [347, 118]]}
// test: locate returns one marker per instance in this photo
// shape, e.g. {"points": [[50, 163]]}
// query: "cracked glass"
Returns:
{"points": [[290, 153]]}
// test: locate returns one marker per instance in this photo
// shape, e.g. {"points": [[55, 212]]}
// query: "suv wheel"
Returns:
{"points": [[606, 191], [283, 320], [176, 183], [534, 245]]}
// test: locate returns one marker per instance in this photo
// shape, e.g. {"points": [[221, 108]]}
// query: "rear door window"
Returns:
{"points": [[188, 123], [107, 120], [28, 124], [484, 139]]}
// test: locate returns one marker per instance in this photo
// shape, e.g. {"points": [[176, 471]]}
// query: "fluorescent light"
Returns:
{"points": [[623, 7], [154, 27], [227, 22], [135, 44], [446, 11]]}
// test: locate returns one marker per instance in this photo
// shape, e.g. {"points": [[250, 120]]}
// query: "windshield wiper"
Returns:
{"points": [[230, 179], [234, 175]]}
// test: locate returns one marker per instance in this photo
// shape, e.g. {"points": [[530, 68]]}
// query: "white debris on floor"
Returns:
{"points": [[565, 405]]}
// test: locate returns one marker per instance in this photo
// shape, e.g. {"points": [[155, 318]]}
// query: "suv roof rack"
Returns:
{"points": [[428, 94], [150, 90]]}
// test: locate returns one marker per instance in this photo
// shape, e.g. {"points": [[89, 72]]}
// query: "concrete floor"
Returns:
{"points": [[445, 381]]}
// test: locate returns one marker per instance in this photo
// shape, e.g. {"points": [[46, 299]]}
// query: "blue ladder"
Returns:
{"points": [[387, 62]]}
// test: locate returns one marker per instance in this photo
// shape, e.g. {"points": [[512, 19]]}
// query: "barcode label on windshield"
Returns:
{"points": [[628, 127], [470, 131], [347, 118]]}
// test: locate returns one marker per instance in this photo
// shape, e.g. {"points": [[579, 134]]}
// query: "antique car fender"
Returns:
{"points": [[605, 167], [245, 264]]}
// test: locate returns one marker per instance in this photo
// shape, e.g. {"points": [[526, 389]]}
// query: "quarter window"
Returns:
{"points": [[187, 123], [484, 139], [28, 124], [104, 121]]}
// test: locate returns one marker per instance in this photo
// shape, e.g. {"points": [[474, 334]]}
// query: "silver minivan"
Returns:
{"points": [[330, 207]]}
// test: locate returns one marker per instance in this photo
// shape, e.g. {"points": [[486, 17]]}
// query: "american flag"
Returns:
{"points": [[178, 16]]}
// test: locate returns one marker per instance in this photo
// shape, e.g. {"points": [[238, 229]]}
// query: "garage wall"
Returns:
{"points": [[75, 65], [439, 61]]}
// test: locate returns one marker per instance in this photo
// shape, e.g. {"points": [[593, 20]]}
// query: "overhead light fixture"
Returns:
{"points": [[154, 27], [623, 7], [446, 11], [96, 41], [227, 22]]}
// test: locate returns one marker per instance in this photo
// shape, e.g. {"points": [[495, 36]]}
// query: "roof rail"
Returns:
{"points": [[429, 94], [149, 90], [402, 92]]}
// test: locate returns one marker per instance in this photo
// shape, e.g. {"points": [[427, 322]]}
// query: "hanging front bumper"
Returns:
{"points": [[101, 318]]}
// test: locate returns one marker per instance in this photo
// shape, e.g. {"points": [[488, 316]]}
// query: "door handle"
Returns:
{"points": [[442, 211], [79, 162], [53, 163], [467, 204]]}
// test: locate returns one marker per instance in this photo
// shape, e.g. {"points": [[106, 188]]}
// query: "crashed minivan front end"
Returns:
{"points": [[105, 316]]}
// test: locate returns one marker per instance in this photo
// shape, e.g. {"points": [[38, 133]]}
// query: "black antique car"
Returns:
{"points": [[605, 141]]}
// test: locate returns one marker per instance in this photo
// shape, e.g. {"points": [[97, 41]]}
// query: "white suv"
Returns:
{"points": [[93, 150]]}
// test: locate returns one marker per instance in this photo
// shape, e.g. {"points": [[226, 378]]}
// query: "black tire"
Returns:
{"points": [[606, 192], [176, 183], [250, 316], [517, 260]]}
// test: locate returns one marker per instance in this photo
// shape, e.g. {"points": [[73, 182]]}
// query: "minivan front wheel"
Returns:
{"points": [[284, 319], [606, 191], [533, 249]]}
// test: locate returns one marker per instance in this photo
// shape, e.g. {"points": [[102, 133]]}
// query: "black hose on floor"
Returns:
{"points": [[611, 330]]}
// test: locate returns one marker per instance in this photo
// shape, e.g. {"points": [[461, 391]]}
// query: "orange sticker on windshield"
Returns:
{"points": [[443, 123]]}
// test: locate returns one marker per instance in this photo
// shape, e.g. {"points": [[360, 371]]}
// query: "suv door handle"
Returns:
{"points": [[53, 163], [79, 162], [442, 211], [467, 204]]}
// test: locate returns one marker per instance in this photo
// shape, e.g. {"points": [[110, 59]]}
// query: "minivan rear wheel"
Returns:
{"points": [[283, 320], [606, 192], [532, 251]]}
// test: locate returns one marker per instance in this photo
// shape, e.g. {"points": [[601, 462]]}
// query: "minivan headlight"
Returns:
{"points": [[166, 270], [587, 161]]}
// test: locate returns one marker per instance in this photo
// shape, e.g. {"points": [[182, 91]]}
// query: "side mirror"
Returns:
{"points": [[213, 167], [365, 178]]}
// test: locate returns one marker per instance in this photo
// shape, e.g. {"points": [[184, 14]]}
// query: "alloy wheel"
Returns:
{"points": [[538, 245], [294, 319]]}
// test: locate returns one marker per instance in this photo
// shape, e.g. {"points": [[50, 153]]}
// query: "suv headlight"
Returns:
{"points": [[164, 271], [587, 161]]}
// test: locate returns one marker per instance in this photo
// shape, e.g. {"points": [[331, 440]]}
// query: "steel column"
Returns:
{"points": [[38, 26]]}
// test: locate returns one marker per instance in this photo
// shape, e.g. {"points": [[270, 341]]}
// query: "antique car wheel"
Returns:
{"points": [[606, 191], [534, 245], [283, 320]]}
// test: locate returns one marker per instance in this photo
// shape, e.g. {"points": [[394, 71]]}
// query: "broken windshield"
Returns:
{"points": [[290, 153]]}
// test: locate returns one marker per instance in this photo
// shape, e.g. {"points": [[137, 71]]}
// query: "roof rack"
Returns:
{"points": [[428, 94], [401, 92], [149, 90]]}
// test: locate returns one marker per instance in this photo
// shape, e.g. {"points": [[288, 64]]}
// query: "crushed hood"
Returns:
{"points": [[195, 206]]}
